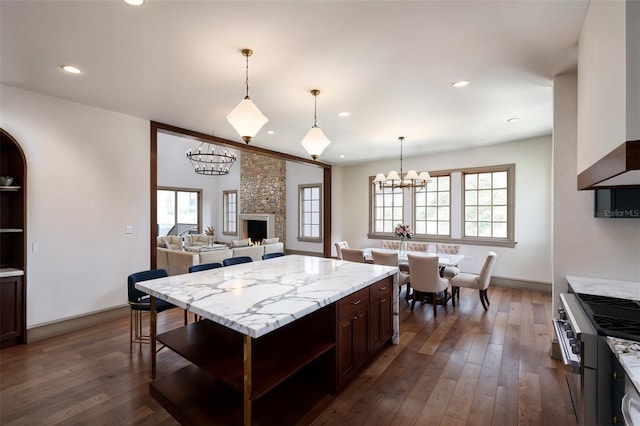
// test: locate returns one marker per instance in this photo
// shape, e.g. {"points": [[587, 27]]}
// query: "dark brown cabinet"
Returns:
{"points": [[365, 323], [11, 314], [12, 242]]}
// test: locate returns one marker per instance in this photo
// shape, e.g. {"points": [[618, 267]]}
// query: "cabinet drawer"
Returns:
{"points": [[348, 305], [381, 288]]}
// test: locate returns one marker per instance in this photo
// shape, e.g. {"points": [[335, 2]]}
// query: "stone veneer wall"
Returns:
{"points": [[263, 189]]}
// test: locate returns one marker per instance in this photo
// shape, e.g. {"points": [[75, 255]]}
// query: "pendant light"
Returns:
{"points": [[315, 141], [394, 180], [246, 118]]}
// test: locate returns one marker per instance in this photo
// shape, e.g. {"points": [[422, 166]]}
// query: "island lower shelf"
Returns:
{"points": [[218, 350], [291, 370]]}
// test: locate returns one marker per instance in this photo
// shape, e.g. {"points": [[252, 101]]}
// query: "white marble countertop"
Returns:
{"points": [[628, 354], [11, 272], [602, 287], [258, 297]]}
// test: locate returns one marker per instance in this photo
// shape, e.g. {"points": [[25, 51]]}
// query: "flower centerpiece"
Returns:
{"points": [[210, 232], [405, 233]]}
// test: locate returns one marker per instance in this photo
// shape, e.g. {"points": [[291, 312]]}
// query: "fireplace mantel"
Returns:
{"points": [[269, 218]]}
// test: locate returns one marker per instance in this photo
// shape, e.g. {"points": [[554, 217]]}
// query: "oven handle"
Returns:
{"points": [[570, 360]]}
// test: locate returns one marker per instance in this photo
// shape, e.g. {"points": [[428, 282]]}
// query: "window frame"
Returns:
{"points": [[225, 212], [301, 212], [176, 190], [414, 206], [510, 205], [372, 213]]}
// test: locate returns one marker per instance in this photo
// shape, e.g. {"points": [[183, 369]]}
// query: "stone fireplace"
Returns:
{"points": [[257, 226]]}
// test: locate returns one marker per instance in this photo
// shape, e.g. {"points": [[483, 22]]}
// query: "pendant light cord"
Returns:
{"points": [[401, 139], [246, 79]]}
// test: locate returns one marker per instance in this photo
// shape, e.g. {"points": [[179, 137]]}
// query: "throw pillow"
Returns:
{"points": [[271, 240], [240, 243]]}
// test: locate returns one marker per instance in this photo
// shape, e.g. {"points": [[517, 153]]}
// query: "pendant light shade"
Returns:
{"points": [[246, 118], [315, 141]]}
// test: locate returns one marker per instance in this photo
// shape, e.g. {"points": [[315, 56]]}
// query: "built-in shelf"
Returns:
{"points": [[10, 230], [9, 188]]}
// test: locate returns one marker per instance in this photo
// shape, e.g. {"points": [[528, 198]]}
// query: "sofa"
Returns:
{"points": [[171, 242], [177, 262]]}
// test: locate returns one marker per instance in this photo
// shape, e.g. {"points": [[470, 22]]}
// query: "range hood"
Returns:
{"points": [[618, 169]]}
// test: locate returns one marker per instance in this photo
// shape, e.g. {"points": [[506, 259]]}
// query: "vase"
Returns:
{"points": [[210, 240], [403, 249]]}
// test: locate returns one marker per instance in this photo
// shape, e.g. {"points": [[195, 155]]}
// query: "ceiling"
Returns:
{"points": [[390, 64]]}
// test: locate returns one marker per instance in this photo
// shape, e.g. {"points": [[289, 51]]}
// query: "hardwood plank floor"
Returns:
{"points": [[463, 367]]}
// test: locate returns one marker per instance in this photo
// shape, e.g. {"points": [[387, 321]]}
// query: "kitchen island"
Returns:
{"points": [[274, 332]]}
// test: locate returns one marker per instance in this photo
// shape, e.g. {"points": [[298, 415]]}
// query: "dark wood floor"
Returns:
{"points": [[465, 367]]}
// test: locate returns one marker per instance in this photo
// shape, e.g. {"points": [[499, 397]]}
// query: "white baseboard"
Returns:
{"points": [[67, 325]]}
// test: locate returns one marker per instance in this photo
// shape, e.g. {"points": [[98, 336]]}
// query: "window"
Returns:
{"points": [[488, 204], [230, 212], [310, 212], [178, 211], [433, 207], [387, 207]]}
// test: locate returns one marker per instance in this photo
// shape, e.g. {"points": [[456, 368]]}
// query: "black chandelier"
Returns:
{"points": [[212, 160]]}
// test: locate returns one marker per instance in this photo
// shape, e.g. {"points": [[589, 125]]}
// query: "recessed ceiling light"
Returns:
{"points": [[71, 69], [134, 2], [270, 132], [461, 83], [513, 120], [344, 114], [341, 155]]}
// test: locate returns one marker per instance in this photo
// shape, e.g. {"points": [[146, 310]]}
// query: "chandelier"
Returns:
{"points": [[315, 141], [212, 160], [394, 180], [246, 118]]}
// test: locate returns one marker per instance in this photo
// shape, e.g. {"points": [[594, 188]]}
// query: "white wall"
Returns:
{"points": [[88, 178], [299, 174], [530, 260]]}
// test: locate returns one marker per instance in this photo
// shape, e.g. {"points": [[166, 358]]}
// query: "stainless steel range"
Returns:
{"points": [[582, 325]]}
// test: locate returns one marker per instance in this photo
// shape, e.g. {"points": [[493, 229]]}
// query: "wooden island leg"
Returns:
{"points": [[152, 336], [247, 380]]}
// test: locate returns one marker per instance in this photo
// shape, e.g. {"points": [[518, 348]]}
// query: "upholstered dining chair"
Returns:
{"points": [[415, 246], [353, 255], [391, 259], [339, 246], [425, 278], [393, 245], [205, 266], [479, 281], [449, 271], [237, 260], [140, 302], [272, 255]]}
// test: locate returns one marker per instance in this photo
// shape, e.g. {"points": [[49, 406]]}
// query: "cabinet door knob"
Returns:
{"points": [[383, 300], [616, 376], [382, 289], [357, 302]]}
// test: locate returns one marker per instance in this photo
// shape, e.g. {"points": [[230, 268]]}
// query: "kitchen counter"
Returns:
{"points": [[602, 287], [256, 298], [628, 354]]}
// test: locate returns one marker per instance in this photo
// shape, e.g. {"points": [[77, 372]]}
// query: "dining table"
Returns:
{"points": [[444, 259]]}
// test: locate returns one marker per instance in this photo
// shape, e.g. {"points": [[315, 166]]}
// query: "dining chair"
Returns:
{"points": [[272, 255], [425, 278], [449, 272], [140, 302], [414, 246], [479, 281], [237, 260], [339, 246], [393, 245], [353, 255], [205, 266], [391, 259]]}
